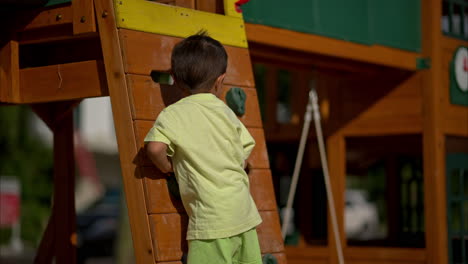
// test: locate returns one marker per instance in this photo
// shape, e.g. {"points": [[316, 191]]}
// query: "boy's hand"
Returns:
{"points": [[156, 151]]}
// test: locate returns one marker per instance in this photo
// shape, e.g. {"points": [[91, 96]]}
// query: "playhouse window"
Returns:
{"points": [[384, 191], [455, 18]]}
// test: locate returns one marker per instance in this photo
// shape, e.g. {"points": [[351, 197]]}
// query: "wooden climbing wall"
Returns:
{"points": [[157, 219]]}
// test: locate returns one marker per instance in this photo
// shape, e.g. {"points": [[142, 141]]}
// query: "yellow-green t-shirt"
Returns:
{"points": [[208, 146]]}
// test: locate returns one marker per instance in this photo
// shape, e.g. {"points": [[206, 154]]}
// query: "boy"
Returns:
{"points": [[203, 142]]}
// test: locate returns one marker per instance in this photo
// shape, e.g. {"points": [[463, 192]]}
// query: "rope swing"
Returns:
{"points": [[312, 110]]}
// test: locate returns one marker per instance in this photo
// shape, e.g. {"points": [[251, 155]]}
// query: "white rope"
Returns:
{"points": [[312, 107]]}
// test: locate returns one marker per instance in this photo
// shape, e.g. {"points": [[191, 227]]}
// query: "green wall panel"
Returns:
{"points": [[394, 23]]}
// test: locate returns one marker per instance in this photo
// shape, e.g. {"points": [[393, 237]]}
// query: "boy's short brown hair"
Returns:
{"points": [[197, 62]]}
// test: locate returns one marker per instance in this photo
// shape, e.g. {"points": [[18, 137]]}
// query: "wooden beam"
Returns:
{"points": [[84, 20], [59, 239], [118, 91], [35, 19], [144, 52], [64, 191], [63, 82], [374, 54], [435, 211], [9, 72], [336, 147], [386, 255]]}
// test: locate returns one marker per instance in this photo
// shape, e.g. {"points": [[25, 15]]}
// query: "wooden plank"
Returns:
{"points": [[62, 82], [160, 201], [387, 254], [158, 198], [364, 110], [64, 190], [336, 148], [35, 19], [261, 188], [145, 52], [168, 20], [258, 158], [185, 3], [133, 186], [288, 39], [83, 17], [9, 72], [149, 99], [433, 137], [269, 233], [169, 236], [212, 6]]}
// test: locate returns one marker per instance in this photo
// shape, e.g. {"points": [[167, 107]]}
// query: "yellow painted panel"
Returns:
{"points": [[175, 21], [230, 8]]}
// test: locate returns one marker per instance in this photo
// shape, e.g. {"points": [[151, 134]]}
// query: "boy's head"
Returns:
{"points": [[197, 62]]}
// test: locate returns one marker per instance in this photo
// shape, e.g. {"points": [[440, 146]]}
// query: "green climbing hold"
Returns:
{"points": [[235, 99], [269, 259]]}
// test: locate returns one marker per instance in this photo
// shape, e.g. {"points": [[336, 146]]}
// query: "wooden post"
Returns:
{"points": [[433, 137], [83, 17], [64, 191], [9, 72], [124, 129], [59, 239], [337, 165]]}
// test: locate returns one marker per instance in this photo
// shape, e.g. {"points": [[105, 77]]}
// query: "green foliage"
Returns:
{"points": [[25, 157]]}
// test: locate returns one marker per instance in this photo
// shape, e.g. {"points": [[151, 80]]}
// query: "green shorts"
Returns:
{"points": [[239, 249]]}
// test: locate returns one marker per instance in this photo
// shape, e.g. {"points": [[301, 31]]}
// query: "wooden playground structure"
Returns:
{"points": [[55, 56]]}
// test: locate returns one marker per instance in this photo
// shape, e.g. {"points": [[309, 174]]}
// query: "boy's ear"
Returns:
{"points": [[220, 81]]}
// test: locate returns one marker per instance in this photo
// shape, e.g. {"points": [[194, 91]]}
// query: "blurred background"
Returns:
{"points": [[368, 60]]}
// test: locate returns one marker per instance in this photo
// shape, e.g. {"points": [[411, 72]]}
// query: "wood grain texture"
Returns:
{"points": [[148, 99], [158, 198], [35, 19], [125, 134], [64, 186], [257, 160], [261, 188], [434, 152], [336, 155], [269, 233], [83, 17], [9, 72], [168, 232], [387, 254], [63, 82], [145, 52]]}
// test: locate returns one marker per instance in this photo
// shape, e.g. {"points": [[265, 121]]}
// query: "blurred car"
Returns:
{"points": [[361, 216]]}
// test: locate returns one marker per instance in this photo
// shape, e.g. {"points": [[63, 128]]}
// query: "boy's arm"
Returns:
{"points": [[156, 151]]}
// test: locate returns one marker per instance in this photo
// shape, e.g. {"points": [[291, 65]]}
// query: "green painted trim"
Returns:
{"points": [[392, 23], [423, 63], [57, 2]]}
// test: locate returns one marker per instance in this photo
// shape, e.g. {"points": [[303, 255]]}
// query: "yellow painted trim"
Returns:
{"points": [[230, 9], [175, 21]]}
